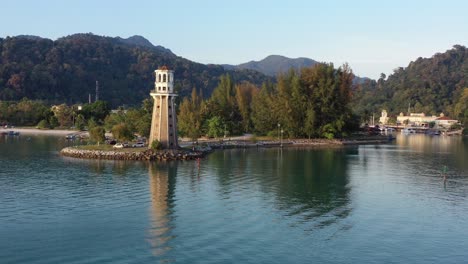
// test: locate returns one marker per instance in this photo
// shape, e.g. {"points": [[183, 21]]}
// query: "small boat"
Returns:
{"points": [[408, 131], [433, 132], [13, 133], [70, 136]]}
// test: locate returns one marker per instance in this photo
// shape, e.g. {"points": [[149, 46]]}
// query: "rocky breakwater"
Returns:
{"points": [[163, 155]]}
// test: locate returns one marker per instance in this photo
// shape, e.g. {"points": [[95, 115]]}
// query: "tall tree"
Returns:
{"points": [[244, 94], [263, 118], [222, 104], [122, 132], [97, 134], [329, 92], [64, 115], [189, 119], [98, 110]]}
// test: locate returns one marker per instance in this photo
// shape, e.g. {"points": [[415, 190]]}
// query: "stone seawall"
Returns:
{"points": [[166, 155]]}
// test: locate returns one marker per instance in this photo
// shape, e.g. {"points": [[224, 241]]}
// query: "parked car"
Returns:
{"points": [[118, 145], [138, 145]]}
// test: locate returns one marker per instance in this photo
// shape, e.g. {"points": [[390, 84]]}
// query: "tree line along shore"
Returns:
{"points": [[312, 103], [309, 104]]}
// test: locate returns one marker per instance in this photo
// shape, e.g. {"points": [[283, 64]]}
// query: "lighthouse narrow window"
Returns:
{"points": [[159, 78], [164, 77], [168, 78]]}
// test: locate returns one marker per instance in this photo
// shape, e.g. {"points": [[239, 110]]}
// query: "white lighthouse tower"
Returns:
{"points": [[164, 121]]}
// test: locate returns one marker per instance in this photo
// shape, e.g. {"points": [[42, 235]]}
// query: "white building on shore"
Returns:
{"points": [[445, 122], [416, 119], [421, 120]]}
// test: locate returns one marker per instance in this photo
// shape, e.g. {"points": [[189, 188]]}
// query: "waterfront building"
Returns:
{"points": [[421, 120], [445, 122], [415, 119], [164, 121]]}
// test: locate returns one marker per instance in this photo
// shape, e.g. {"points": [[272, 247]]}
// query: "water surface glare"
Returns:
{"points": [[362, 204]]}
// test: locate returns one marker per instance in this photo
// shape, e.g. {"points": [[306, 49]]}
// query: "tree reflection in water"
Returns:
{"points": [[311, 186], [315, 185]]}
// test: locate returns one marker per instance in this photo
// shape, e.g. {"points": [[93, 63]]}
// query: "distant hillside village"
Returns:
{"points": [[419, 120]]}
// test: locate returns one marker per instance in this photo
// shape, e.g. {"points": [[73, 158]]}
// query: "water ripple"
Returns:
{"points": [[360, 205]]}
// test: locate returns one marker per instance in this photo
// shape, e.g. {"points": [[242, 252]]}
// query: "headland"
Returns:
{"points": [[202, 148], [141, 154]]}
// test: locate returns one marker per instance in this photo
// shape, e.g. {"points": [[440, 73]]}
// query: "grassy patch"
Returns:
{"points": [[105, 147], [265, 138], [95, 147]]}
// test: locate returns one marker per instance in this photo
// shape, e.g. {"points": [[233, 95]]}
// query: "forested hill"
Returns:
{"points": [[67, 69], [430, 85]]}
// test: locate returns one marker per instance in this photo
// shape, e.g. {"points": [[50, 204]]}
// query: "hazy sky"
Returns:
{"points": [[372, 36]]}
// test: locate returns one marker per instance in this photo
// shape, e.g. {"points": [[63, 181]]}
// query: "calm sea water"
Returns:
{"points": [[365, 204]]}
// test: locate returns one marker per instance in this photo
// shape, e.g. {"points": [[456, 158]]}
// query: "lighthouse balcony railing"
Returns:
{"points": [[161, 91]]}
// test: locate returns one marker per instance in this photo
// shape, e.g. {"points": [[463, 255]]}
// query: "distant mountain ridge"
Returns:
{"points": [[140, 41], [137, 41], [30, 37], [274, 64], [66, 69]]}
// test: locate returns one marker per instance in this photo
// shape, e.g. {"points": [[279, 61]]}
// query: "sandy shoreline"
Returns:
{"points": [[35, 131]]}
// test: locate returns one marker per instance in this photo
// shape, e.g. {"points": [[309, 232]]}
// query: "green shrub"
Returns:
{"points": [[273, 134], [80, 122], [253, 139], [455, 127], [328, 131], [97, 134], [122, 132], [156, 145], [43, 124], [53, 122]]}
